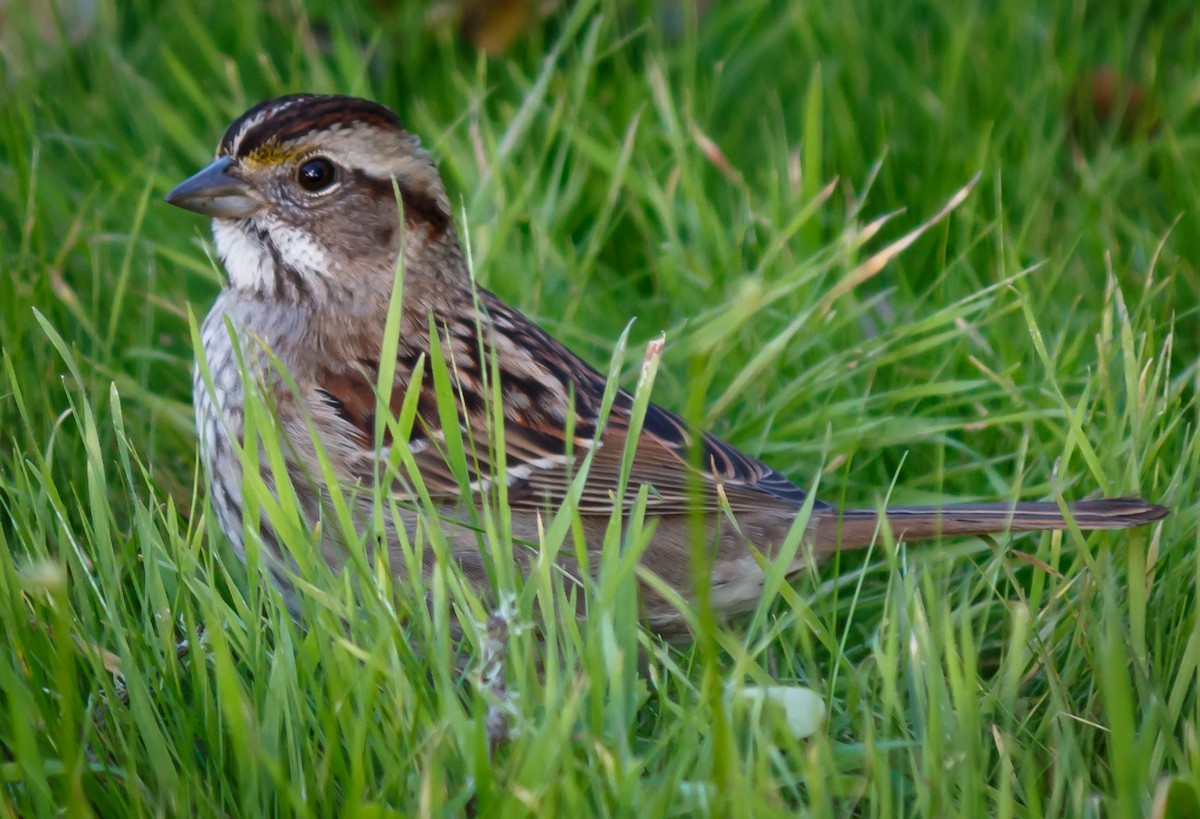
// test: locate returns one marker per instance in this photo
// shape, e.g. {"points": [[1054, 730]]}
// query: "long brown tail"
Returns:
{"points": [[855, 528]]}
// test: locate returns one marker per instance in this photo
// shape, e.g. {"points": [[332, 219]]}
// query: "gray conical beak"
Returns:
{"points": [[214, 192]]}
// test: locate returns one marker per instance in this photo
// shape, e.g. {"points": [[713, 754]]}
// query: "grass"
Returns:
{"points": [[722, 184]]}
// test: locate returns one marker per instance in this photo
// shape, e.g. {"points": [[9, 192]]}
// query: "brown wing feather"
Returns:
{"points": [[542, 383]]}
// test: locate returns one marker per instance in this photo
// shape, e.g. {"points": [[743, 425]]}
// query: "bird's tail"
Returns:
{"points": [[855, 528]]}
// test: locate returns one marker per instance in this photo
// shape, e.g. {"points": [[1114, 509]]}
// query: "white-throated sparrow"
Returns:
{"points": [[305, 218]]}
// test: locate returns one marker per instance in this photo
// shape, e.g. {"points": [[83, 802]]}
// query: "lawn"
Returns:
{"points": [[728, 179]]}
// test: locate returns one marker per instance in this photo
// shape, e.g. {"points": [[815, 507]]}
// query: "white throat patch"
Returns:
{"points": [[301, 252], [252, 267], [248, 264]]}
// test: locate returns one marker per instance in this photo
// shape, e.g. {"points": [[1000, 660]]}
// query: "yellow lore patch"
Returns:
{"points": [[271, 154]]}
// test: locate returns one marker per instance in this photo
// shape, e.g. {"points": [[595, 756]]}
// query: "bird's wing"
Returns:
{"points": [[552, 403]]}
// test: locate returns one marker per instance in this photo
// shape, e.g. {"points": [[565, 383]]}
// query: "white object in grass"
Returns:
{"points": [[803, 708]]}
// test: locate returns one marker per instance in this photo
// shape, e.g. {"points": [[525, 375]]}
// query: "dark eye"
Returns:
{"points": [[316, 174]]}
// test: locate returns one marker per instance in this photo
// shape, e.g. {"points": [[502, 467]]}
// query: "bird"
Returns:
{"points": [[316, 202]]}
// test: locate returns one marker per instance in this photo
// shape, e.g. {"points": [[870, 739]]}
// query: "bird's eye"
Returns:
{"points": [[316, 175]]}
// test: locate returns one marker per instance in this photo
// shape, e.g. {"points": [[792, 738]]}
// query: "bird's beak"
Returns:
{"points": [[215, 192]]}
